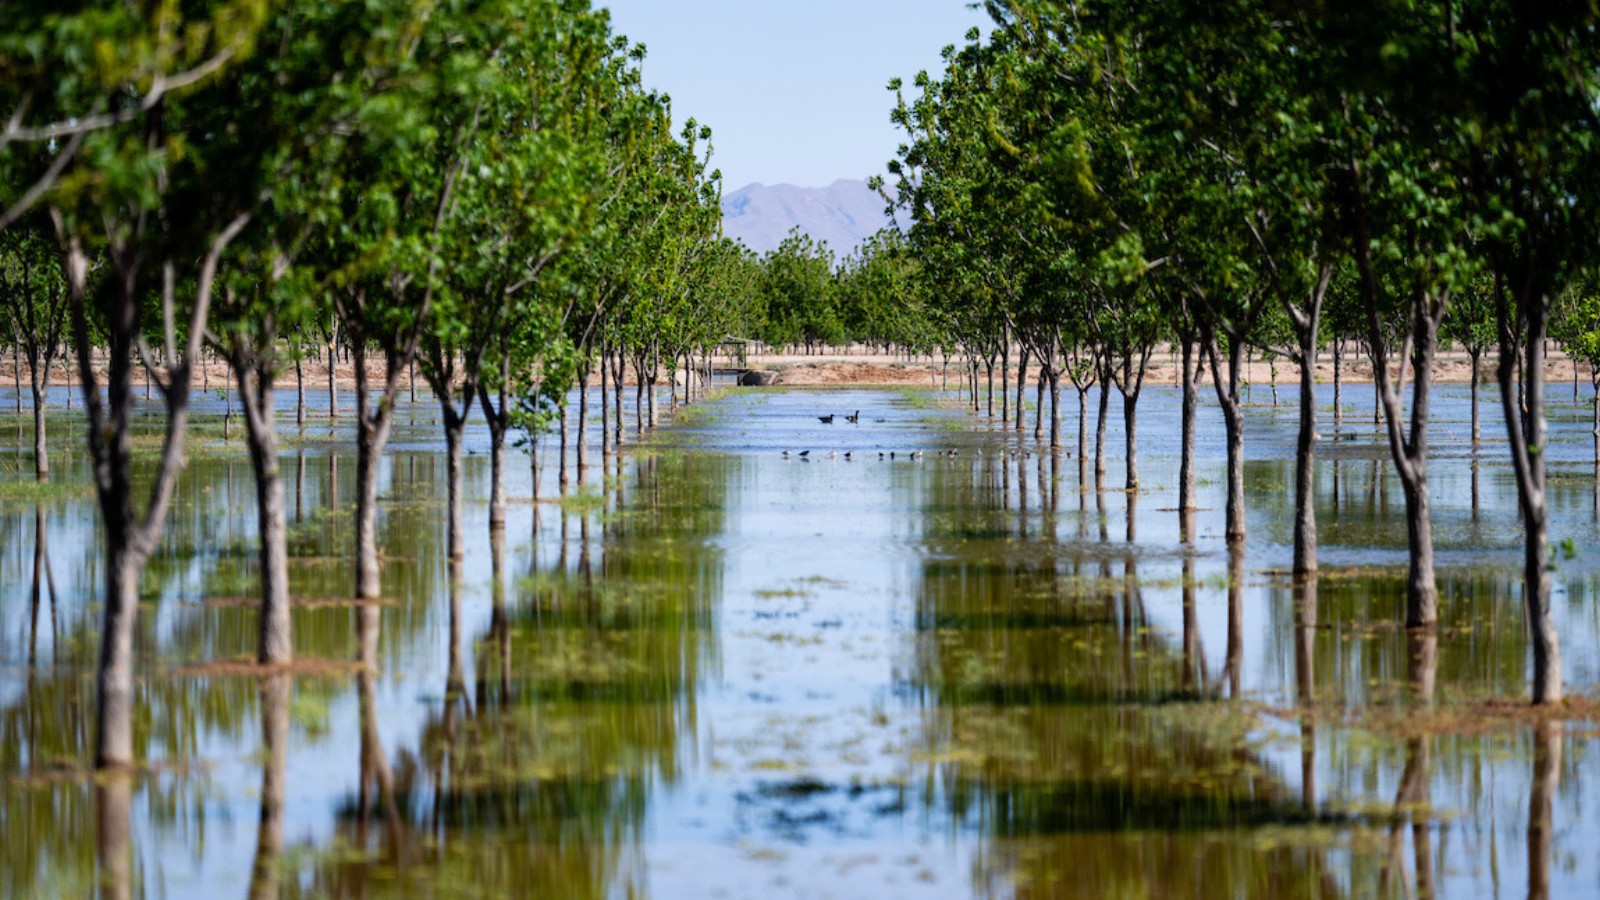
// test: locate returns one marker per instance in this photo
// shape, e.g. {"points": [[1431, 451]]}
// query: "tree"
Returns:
{"points": [[33, 307]]}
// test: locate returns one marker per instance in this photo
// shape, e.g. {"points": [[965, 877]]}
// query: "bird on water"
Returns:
{"points": [[826, 420]]}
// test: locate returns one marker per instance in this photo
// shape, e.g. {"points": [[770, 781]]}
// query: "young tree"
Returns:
{"points": [[33, 308]]}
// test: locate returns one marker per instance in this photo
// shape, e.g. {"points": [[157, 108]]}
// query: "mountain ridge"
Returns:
{"points": [[843, 214]]}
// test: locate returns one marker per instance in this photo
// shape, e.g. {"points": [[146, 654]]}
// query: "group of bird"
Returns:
{"points": [[851, 455], [853, 420]]}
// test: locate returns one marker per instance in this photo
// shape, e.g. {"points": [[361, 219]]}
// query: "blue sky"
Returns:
{"points": [[794, 90]]}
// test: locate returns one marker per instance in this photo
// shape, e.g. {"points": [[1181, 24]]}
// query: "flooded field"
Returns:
{"points": [[712, 670]]}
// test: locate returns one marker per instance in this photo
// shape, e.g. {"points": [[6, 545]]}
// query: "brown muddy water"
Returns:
{"points": [[713, 671]]}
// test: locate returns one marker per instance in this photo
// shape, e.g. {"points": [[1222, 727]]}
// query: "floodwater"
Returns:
{"points": [[708, 670]]}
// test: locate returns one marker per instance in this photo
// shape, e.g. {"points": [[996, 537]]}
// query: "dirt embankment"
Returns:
{"points": [[862, 369], [857, 369]]}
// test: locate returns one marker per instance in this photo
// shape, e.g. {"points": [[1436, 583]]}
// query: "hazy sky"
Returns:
{"points": [[794, 90]]}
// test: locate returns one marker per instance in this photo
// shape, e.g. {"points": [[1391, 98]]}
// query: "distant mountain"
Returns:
{"points": [[844, 214]]}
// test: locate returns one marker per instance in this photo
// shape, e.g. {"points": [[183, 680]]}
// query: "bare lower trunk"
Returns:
{"points": [[1083, 434], [1474, 381], [1055, 418], [650, 396], [333, 389], [1227, 390], [605, 405], [299, 391], [1527, 437], [1100, 431], [369, 452], [1422, 591], [276, 642], [1130, 433], [1338, 383], [1038, 416], [638, 398], [1005, 377], [114, 681], [562, 477], [1191, 398], [583, 420], [1022, 387], [372, 435], [1305, 462], [988, 367], [41, 451], [454, 427], [498, 420]]}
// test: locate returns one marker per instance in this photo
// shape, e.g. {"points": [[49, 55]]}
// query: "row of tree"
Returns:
{"points": [[1093, 178], [481, 192]]}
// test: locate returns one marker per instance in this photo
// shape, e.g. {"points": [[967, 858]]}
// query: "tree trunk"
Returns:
{"points": [[371, 437], [276, 643], [988, 372], [1191, 398], [583, 420], [1338, 383], [1305, 462], [1022, 387], [333, 361], [1227, 390], [1083, 434], [1055, 405], [1528, 456], [299, 391], [1100, 431], [1005, 376], [1473, 355], [618, 369], [40, 383], [454, 426], [1038, 416], [650, 394], [562, 477], [114, 681], [499, 421], [1130, 434], [605, 405], [638, 397]]}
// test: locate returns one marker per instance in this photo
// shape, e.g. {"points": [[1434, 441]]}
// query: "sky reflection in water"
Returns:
{"points": [[714, 671]]}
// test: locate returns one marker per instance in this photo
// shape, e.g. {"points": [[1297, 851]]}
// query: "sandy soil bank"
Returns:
{"points": [[862, 369]]}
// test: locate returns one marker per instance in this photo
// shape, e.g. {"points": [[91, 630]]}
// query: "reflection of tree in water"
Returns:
{"points": [[56, 827], [1071, 735], [533, 776]]}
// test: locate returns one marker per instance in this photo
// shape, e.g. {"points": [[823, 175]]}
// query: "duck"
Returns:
{"points": [[916, 454], [826, 420], [785, 454], [855, 419], [847, 455], [833, 454], [804, 453]]}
